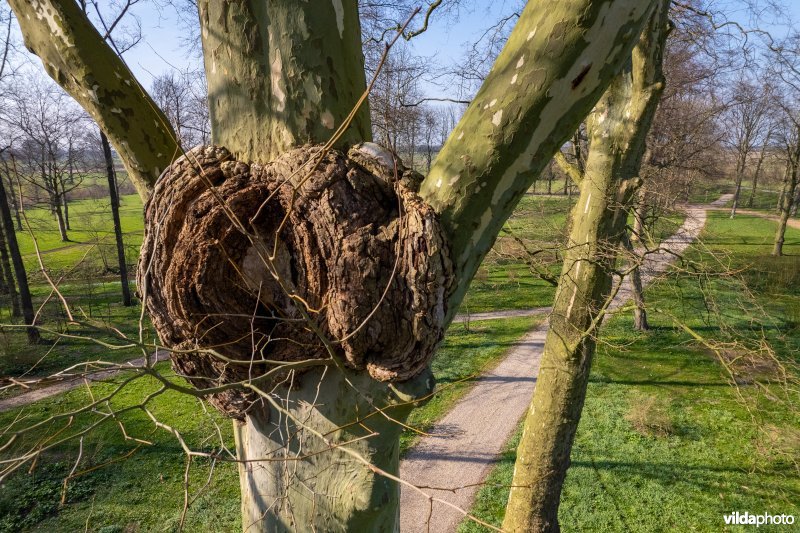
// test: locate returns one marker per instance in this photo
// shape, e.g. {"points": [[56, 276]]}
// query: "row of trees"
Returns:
{"points": [[51, 153]]}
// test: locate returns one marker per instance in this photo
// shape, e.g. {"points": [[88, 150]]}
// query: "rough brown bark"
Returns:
{"points": [[341, 223]]}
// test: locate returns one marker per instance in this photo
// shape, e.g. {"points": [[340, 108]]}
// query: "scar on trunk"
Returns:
{"points": [[581, 75]]}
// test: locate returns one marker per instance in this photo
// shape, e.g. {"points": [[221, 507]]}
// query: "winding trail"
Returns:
{"points": [[61, 383], [453, 462]]}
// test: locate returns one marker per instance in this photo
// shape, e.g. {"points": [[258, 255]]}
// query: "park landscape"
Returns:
{"points": [[670, 389]]}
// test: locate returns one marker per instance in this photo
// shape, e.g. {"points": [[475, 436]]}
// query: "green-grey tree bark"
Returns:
{"points": [[78, 58], [282, 74], [617, 129]]}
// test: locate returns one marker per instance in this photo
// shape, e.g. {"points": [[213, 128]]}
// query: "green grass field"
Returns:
{"points": [[91, 228], [144, 492], [140, 488], [666, 441]]}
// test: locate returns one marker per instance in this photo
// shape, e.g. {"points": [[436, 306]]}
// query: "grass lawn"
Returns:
{"points": [[90, 222], [140, 488], [666, 442], [145, 491], [506, 281], [762, 200], [704, 192]]}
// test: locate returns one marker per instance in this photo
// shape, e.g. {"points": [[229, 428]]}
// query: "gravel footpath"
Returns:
{"points": [[463, 446]]}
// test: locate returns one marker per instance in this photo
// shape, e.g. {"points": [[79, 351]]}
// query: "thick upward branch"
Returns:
{"points": [[558, 61], [75, 55], [617, 129], [568, 168], [282, 74]]}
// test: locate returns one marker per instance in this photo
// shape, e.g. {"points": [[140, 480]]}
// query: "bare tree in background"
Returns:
{"points": [[747, 125], [9, 170], [182, 97], [49, 135], [790, 139]]}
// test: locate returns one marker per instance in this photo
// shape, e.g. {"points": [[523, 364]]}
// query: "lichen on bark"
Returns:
{"points": [[245, 265]]}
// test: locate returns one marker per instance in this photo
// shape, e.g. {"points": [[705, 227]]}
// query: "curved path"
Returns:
{"points": [[42, 388], [454, 461], [495, 315]]}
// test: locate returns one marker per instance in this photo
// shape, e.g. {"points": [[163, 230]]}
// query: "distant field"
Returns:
{"points": [[91, 226]]}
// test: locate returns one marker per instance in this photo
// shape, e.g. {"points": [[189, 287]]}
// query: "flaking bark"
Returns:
{"points": [[282, 74], [557, 62], [75, 55], [617, 130]]}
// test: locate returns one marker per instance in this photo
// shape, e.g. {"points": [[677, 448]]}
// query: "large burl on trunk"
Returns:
{"points": [[318, 266], [246, 265]]}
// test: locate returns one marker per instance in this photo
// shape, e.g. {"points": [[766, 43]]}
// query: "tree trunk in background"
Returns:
{"points": [[757, 173], [639, 214], [62, 227], [787, 200], [65, 202], [7, 272], [617, 131], [298, 72], [114, 196], [19, 268], [15, 207], [637, 287], [741, 164]]}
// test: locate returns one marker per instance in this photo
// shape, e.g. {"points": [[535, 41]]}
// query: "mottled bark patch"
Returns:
{"points": [[232, 298]]}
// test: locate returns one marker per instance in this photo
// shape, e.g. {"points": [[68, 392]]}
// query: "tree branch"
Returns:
{"points": [[568, 168], [75, 55], [556, 64]]}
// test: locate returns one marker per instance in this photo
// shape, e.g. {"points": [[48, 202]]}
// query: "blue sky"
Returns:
{"points": [[161, 44], [443, 40]]}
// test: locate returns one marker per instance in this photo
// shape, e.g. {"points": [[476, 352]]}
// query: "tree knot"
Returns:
{"points": [[252, 271]]}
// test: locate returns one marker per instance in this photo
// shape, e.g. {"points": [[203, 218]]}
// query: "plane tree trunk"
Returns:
{"points": [[617, 130], [281, 75]]}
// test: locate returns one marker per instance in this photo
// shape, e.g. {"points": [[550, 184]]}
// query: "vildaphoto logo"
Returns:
{"points": [[746, 519]]}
